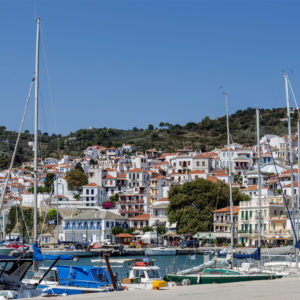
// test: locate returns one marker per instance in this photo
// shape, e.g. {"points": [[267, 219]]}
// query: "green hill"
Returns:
{"points": [[205, 135]]}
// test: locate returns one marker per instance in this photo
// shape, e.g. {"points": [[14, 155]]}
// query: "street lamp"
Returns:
{"points": [[156, 224]]}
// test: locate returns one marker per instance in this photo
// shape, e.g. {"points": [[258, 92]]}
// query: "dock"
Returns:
{"points": [[286, 288]]}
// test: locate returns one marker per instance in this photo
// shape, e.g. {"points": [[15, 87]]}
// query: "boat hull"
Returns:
{"points": [[160, 252], [77, 253], [217, 278]]}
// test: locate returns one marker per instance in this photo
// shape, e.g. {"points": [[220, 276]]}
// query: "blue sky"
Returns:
{"points": [[128, 63]]}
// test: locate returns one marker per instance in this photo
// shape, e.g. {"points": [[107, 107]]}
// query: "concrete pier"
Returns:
{"points": [[279, 289]]}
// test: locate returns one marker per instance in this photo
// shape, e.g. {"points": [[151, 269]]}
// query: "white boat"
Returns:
{"points": [[160, 251], [144, 275], [77, 253], [5, 250]]}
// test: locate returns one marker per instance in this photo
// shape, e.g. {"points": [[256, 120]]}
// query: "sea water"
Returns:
{"points": [[167, 264]]}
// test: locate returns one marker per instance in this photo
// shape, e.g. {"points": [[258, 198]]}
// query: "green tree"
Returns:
{"points": [[76, 179], [150, 127], [130, 230], [52, 215], [192, 203], [114, 198], [147, 228], [79, 167], [161, 229], [116, 230]]}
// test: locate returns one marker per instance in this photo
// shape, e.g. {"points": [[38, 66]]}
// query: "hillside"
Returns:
{"points": [[205, 135]]}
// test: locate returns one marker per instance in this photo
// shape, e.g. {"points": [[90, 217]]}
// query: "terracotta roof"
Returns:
{"points": [[124, 235], [158, 177], [122, 175], [289, 185], [163, 199], [196, 172], [91, 184], [135, 170], [250, 187], [206, 155], [227, 210], [140, 217], [107, 176], [212, 179]]}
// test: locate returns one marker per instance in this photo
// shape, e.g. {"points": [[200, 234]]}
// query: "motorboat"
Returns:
{"points": [[160, 251], [144, 275]]}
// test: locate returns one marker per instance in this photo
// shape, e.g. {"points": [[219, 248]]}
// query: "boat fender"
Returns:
{"points": [[126, 287], [172, 284], [185, 282]]}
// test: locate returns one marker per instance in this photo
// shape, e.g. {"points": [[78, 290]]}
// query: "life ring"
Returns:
{"points": [[185, 282]]}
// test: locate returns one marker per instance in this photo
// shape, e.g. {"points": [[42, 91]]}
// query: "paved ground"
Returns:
{"points": [[279, 289]]}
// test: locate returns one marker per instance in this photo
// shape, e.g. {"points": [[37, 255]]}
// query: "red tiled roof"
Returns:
{"points": [[227, 210], [124, 235], [91, 184], [163, 199], [206, 155], [122, 175], [140, 217], [107, 176], [136, 170], [212, 179], [250, 187], [197, 172]]}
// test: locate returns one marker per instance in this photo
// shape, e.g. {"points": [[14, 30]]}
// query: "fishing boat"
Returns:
{"points": [[160, 251], [144, 275]]}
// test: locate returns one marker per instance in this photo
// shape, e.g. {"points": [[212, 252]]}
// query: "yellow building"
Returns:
{"points": [[274, 221]]}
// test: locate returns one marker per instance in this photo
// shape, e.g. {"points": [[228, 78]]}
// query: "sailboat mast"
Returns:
{"points": [[290, 151], [259, 180], [36, 101], [229, 180], [298, 198]]}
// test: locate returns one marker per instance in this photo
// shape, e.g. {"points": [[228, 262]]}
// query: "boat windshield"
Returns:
{"points": [[153, 274]]}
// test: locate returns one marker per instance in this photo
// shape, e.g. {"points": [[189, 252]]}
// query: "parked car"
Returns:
{"points": [[17, 245], [189, 244]]}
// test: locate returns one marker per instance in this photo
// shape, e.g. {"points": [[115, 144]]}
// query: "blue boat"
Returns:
{"points": [[72, 280]]}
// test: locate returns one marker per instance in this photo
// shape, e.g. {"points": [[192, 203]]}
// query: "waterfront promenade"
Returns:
{"points": [[280, 289]]}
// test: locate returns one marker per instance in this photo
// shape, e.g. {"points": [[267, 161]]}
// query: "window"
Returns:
{"points": [[203, 164], [153, 274], [242, 214], [265, 226], [250, 213], [92, 198], [87, 191], [92, 191], [107, 224], [198, 164]]}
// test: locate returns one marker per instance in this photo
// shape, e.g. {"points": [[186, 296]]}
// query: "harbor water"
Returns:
{"points": [[171, 263]]}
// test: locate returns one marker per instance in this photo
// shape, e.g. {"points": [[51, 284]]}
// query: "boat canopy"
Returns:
{"points": [[254, 255], [83, 276], [39, 256]]}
